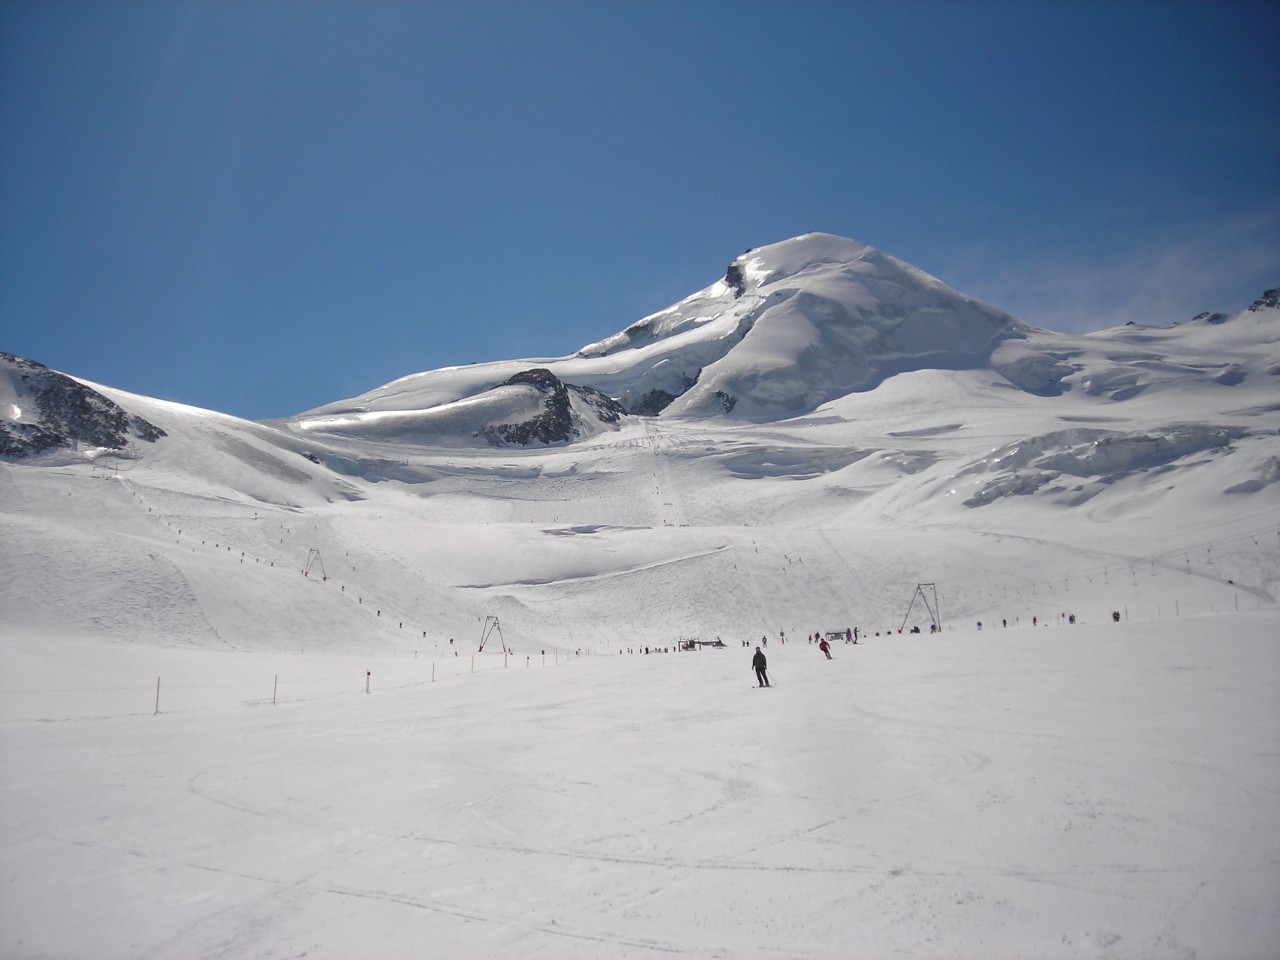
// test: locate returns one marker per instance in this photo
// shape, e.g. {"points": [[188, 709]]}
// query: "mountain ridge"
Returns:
{"points": [[1085, 450], [790, 326]]}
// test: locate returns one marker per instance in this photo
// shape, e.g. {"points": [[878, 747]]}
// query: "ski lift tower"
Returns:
{"points": [[923, 593], [315, 563], [491, 626]]}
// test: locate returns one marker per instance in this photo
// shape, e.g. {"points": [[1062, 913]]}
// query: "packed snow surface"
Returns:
{"points": [[244, 712], [1096, 790]]}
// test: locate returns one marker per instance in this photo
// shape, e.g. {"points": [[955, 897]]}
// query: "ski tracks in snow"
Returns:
{"points": [[670, 509]]}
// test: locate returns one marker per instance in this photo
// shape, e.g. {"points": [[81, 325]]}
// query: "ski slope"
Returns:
{"points": [[1089, 790], [243, 712]]}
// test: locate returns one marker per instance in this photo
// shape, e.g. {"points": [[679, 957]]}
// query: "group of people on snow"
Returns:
{"points": [[760, 663]]}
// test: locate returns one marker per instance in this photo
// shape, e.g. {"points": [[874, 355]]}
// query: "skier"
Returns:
{"points": [[758, 663], [825, 648]]}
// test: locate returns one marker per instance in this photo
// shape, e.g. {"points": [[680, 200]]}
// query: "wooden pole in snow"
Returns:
{"points": [[275, 689], [157, 696]]}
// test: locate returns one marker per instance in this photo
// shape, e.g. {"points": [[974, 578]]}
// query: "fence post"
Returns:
{"points": [[157, 696], [275, 688]]}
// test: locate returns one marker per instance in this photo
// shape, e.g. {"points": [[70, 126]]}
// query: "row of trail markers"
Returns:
{"points": [[491, 626], [314, 567], [368, 678]]}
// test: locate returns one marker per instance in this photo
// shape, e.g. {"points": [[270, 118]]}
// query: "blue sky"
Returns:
{"points": [[262, 207]]}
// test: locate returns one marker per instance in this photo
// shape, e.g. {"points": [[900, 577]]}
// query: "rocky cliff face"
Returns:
{"points": [[560, 421], [41, 410], [1269, 299]]}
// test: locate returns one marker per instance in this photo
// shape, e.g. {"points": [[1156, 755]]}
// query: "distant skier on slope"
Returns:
{"points": [[758, 663], [825, 648]]}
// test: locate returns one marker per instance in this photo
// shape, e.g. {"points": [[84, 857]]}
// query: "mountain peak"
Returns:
{"points": [[808, 248], [805, 253], [796, 323], [790, 326]]}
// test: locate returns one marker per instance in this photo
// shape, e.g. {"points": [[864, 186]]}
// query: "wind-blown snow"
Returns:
{"points": [[1027, 787]]}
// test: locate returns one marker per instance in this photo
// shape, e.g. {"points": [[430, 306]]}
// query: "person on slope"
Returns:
{"points": [[825, 648], [758, 663]]}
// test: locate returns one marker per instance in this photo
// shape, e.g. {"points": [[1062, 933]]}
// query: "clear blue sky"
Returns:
{"points": [[262, 207]]}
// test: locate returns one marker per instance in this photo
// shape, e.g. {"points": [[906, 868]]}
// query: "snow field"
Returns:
{"points": [[1098, 790]]}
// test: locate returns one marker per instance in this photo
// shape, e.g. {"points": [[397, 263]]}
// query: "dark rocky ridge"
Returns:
{"points": [[69, 413], [1270, 298], [558, 423]]}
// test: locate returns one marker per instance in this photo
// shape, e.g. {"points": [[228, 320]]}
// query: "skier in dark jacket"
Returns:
{"points": [[759, 663]]}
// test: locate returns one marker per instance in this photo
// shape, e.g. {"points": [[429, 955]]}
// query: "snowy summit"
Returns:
{"points": [[788, 327]]}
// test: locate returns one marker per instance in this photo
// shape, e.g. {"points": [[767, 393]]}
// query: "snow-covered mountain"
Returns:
{"points": [[820, 394], [789, 327], [824, 439]]}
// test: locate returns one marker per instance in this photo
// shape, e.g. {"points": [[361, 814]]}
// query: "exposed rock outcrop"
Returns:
{"points": [[62, 412], [561, 420], [1269, 299]]}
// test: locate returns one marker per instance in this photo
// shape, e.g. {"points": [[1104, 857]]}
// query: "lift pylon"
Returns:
{"points": [[315, 563], [923, 592], [491, 626]]}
